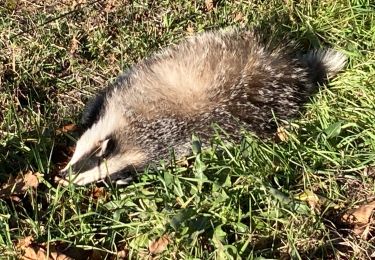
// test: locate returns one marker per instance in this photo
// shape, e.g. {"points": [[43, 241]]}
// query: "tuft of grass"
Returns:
{"points": [[247, 200]]}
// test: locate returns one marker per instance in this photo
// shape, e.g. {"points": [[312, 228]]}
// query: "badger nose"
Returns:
{"points": [[64, 172], [61, 177]]}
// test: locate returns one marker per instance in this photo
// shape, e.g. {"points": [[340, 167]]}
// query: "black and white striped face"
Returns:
{"points": [[99, 158], [104, 151], [116, 151]]}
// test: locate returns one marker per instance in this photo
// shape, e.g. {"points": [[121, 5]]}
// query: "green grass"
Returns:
{"points": [[235, 200]]}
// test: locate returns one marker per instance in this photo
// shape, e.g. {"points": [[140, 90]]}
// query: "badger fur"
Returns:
{"points": [[229, 78]]}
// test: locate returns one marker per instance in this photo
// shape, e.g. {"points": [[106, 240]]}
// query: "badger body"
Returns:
{"points": [[229, 78]]}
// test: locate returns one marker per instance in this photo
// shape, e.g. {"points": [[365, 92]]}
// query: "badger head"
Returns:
{"points": [[104, 151], [108, 148], [118, 143]]}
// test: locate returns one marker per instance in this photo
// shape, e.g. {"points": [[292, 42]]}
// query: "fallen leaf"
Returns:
{"points": [[281, 134], [20, 184], [190, 29], [67, 129], [209, 5], [25, 242], [369, 171], [25, 250], [359, 219], [73, 45], [29, 251], [311, 198], [98, 193], [238, 17], [15, 198], [122, 254], [159, 245], [183, 162], [111, 6]]}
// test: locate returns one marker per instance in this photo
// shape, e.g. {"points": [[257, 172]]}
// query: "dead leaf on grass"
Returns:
{"points": [[73, 48], [311, 198], [238, 17], [98, 193], [360, 219], [28, 251], [20, 184], [369, 171], [24, 242], [159, 245], [183, 162], [122, 254], [190, 30], [209, 5], [315, 201], [67, 129], [282, 134]]}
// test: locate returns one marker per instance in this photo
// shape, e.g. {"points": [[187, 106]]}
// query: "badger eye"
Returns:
{"points": [[105, 148]]}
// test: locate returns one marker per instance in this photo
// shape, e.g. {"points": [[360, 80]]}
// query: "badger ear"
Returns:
{"points": [[106, 147]]}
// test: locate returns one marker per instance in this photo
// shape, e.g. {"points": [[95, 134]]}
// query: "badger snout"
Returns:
{"points": [[80, 172]]}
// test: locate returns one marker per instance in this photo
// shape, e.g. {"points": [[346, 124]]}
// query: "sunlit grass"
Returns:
{"points": [[246, 200]]}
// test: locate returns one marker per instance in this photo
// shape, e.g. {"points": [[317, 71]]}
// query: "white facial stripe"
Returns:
{"points": [[97, 173], [92, 175], [90, 141], [102, 147], [109, 167]]}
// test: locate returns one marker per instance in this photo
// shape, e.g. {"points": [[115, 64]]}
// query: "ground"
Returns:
{"points": [[306, 194]]}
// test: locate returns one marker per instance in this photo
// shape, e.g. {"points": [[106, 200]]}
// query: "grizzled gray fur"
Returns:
{"points": [[227, 78]]}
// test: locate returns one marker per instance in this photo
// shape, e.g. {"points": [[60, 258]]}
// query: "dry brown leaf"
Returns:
{"points": [[183, 162], [20, 184], [36, 253], [28, 251], [369, 171], [73, 47], [112, 5], [98, 193], [67, 128], [238, 17], [209, 5], [25, 242], [15, 198], [281, 134], [122, 254], [190, 29], [311, 198], [359, 218], [159, 245]]}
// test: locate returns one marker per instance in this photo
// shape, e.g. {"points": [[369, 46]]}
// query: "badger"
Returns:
{"points": [[230, 78]]}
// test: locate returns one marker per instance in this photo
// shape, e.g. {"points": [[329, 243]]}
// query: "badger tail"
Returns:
{"points": [[324, 64]]}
